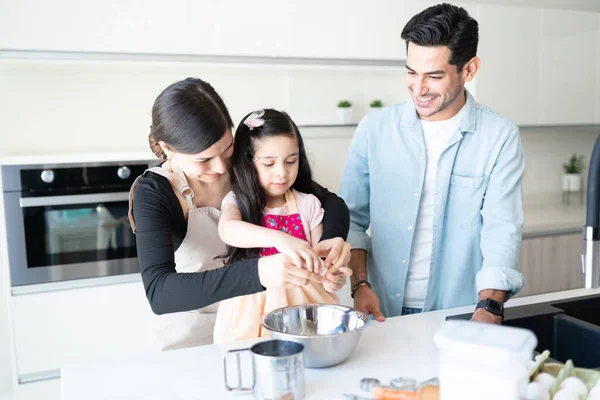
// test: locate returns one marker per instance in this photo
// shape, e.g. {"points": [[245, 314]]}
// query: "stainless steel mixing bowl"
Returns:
{"points": [[329, 332]]}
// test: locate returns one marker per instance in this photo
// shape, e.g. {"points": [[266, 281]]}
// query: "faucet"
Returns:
{"points": [[590, 259]]}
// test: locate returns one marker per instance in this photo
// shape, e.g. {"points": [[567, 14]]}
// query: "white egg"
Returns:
{"points": [[565, 395], [545, 379], [537, 391], [595, 391], [575, 385]]}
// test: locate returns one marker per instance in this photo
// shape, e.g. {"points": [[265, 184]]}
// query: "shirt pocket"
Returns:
{"points": [[465, 199]]}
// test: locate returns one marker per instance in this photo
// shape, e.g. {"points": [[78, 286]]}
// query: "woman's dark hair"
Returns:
{"points": [[445, 25], [189, 116], [244, 178]]}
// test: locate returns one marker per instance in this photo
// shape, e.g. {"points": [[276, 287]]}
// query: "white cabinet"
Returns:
{"points": [[539, 66], [569, 71], [508, 80], [597, 119], [551, 264], [139, 26], [56, 329], [46, 390], [310, 28]]}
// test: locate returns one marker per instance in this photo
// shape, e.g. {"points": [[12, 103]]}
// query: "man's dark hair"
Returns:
{"points": [[445, 25]]}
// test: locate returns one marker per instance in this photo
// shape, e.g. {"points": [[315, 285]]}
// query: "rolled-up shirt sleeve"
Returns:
{"points": [[502, 227]]}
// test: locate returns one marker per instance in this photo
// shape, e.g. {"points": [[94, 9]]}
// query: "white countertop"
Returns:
{"points": [[401, 346]]}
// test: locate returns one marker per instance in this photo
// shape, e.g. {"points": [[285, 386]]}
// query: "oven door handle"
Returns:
{"points": [[73, 199]]}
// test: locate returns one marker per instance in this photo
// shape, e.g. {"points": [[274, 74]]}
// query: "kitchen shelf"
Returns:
{"points": [[572, 128], [584, 128], [328, 126], [7, 54]]}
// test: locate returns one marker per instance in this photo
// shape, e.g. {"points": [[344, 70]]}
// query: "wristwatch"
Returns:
{"points": [[493, 306]]}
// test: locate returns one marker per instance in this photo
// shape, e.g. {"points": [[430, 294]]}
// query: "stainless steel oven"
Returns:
{"points": [[67, 222]]}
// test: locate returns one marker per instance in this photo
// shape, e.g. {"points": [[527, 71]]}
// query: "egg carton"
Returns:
{"points": [[590, 377]]}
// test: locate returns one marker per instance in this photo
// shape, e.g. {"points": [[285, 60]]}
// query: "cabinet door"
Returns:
{"points": [[569, 69], [149, 26], [551, 264], [309, 28], [56, 329], [47, 390], [508, 79]]}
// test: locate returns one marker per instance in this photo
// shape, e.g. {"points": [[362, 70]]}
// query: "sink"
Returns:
{"points": [[566, 337], [570, 329], [586, 310]]}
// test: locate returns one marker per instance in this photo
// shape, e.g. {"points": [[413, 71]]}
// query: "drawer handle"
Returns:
{"points": [[39, 376]]}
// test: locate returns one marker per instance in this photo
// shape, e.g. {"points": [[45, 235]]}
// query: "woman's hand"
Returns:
{"points": [[334, 281], [336, 253], [279, 270], [299, 251], [337, 257]]}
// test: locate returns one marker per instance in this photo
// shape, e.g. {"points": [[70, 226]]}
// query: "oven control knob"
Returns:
{"points": [[124, 172], [47, 176]]}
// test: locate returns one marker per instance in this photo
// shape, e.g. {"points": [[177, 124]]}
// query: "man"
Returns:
{"points": [[438, 180]]}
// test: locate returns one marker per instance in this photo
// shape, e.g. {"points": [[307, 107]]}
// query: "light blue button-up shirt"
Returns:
{"points": [[478, 210]]}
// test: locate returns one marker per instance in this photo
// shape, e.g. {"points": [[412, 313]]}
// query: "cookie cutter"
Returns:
{"points": [[366, 384]]}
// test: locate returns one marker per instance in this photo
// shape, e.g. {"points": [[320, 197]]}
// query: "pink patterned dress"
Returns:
{"points": [[239, 318]]}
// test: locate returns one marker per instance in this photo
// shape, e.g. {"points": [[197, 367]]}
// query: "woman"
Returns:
{"points": [[175, 211]]}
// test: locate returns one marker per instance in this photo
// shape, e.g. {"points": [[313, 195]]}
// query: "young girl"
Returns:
{"points": [[269, 211]]}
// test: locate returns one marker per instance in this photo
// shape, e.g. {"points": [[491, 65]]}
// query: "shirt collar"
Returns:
{"points": [[468, 123]]}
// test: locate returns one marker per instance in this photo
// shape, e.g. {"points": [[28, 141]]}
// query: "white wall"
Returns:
{"points": [[67, 106]]}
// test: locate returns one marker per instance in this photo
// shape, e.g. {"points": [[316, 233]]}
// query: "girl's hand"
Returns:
{"points": [[279, 270], [299, 251]]}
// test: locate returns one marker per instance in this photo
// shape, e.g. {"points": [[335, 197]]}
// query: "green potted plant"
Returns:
{"points": [[571, 181], [376, 104], [345, 112]]}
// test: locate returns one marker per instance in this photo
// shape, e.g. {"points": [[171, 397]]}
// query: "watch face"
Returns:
{"points": [[494, 305]]}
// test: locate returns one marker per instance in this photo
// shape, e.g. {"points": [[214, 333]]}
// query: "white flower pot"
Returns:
{"points": [[344, 115], [571, 182]]}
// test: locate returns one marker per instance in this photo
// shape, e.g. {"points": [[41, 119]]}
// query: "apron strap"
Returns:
{"points": [[178, 179], [180, 183], [291, 202]]}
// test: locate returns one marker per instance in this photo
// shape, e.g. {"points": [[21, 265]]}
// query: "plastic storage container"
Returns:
{"points": [[483, 361]]}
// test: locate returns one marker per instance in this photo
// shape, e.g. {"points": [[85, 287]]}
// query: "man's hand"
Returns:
{"points": [[366, 300], [481, 315]]}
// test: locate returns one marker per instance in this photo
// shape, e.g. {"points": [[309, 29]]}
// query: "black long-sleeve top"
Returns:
{"points": [[160, 229]]}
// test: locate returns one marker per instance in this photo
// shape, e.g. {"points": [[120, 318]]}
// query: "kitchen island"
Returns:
{"points": [[400, 346]]}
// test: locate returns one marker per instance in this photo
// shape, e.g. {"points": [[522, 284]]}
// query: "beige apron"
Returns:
{"points": [[196, 253], [239, 317]]}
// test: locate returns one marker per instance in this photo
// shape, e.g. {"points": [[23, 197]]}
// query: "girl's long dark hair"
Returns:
{"points": [[244, 178]]}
